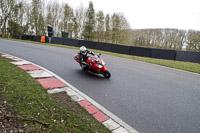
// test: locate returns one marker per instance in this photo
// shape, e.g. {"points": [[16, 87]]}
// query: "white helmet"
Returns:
{"points": [[83, 50]]}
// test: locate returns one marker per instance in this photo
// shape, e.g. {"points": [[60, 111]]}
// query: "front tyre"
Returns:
{"points": [[106, 74]]}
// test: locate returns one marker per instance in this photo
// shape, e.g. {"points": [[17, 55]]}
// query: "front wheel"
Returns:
{"points": [[106, 74]]}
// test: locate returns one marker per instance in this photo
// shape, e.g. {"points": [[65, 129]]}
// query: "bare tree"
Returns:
{"points": [[80, 19], [159, 38], [193, 40], [6, 10], [53, 15]]}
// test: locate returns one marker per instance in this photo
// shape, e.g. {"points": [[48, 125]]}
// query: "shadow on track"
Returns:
{"points": [[90, 75]]}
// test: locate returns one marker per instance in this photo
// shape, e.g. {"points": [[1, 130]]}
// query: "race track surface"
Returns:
{"points": [[148, 97]]}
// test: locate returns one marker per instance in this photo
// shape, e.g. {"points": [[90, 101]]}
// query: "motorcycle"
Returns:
{"points": [[96, 65]]}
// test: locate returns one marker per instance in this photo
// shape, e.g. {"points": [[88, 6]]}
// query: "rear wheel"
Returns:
{"points": [[106, 74]]}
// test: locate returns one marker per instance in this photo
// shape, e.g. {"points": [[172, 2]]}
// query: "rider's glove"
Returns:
{"points": [[90, 64], [92, 53]]}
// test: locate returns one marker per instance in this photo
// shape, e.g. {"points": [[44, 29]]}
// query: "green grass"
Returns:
{"points": [[34, 107], [186, 66]]}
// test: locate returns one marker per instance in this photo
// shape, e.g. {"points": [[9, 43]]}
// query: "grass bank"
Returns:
{"points": [[186, 66], [39, 111]]}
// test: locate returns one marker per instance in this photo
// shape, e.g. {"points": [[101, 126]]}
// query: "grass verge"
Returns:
{"points": [[33, 106], [186, 66]]}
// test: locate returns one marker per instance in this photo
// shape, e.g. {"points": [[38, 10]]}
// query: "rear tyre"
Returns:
{"points": [[107, 74]]}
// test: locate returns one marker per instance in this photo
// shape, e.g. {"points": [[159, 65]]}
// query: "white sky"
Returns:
{"points": [[181, 14]]}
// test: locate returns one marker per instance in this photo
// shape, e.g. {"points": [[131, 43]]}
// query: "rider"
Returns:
{"points": [[82, 54]]}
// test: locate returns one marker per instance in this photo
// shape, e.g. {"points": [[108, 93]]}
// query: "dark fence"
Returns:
{"points": [[87, 44], [103, 46], [33, 38], [188, 56], [129, 50], [139, 51], [28, 37], [38, 38], [16, 37], [57, 40], [120, 49], [163, 54], [71, 42]]}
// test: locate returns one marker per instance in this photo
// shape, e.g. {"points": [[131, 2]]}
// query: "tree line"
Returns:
{"points": [[19, 17], [167, 39]]}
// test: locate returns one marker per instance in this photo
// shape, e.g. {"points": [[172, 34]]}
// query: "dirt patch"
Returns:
{"points": [[9, 122], [63, 99]]}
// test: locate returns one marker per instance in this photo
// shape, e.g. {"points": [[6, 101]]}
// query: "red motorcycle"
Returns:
{"points": [[97, 65]]}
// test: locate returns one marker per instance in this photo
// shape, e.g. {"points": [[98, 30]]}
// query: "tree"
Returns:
{"points": [[41, 25], [75, 27], [100, 26], [107, 28], [27, 27], [13, 28], [80, 19], [68, 19], [124, 29], [14, 25], [21, 12], [89, 26], [6, 9], [159, 38], [193, 40], [36, 4], [53, 15], [115, 26]]}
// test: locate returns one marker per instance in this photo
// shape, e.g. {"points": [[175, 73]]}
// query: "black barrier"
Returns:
{"points": [[38, 38], [120, 49], [139, 51], [23, 37], [57, 40], [33, 38], [163, 54], [71, 42], [188, 56], [28, 37], [46, 39], [103, 46], [16, 37], [87, 44]]}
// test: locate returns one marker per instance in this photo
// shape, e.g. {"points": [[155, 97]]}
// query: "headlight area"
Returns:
{"points": [[100, 66]]}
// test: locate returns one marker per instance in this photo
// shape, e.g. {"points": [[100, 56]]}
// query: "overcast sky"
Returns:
{"points": [[181, 14]]}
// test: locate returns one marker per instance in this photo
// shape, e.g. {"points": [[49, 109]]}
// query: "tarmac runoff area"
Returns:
{"points": [[55, 84]]}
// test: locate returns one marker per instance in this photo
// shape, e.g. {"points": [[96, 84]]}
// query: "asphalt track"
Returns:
{"points": [[148, 97]]}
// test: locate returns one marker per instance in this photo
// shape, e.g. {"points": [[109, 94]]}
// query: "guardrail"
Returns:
{"points": [[187, 56]]}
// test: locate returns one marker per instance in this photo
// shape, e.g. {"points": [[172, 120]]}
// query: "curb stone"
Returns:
{"points": [[112, 122]]}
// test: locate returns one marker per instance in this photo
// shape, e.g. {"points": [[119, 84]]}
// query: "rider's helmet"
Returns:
{"points": [[83, 50]]}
